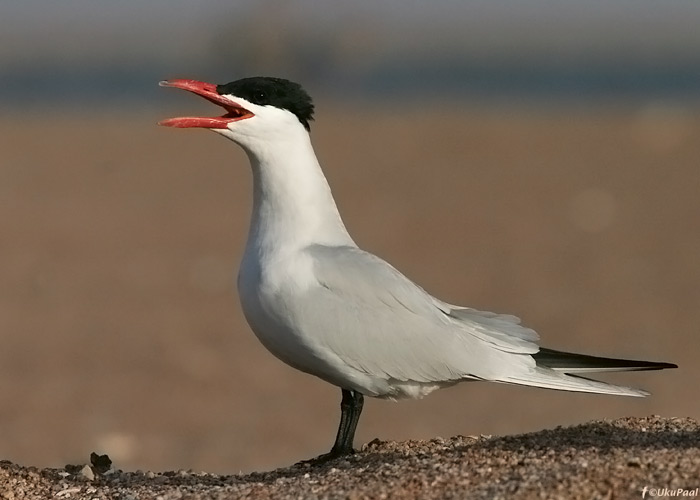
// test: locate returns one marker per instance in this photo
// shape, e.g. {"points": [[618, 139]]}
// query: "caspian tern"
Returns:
{"points": [[328, 308]]}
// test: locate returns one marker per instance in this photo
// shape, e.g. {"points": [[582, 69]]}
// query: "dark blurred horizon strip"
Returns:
{"points": [[436, 81]]}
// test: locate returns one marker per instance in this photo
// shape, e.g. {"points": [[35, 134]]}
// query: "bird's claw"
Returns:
{"points": [[328, 457]]}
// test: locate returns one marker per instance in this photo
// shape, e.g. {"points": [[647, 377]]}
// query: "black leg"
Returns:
{"points": [[350, 410]]}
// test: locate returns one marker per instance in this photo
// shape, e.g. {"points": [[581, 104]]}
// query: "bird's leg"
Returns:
{"points": [[350, 410]]}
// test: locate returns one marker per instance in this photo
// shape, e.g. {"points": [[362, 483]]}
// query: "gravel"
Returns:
{"points": [[610, 459]]}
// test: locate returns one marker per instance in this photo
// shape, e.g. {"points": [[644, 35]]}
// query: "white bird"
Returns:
{"points": [[328, 308]]}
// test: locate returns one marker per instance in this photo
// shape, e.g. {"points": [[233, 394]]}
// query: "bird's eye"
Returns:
{"points": [[260, 96]]}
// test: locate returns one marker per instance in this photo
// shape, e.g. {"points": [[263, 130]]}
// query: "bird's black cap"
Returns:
{"points": [[269, 91]]}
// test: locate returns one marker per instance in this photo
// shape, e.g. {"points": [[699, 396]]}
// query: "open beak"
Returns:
{"points": [[234, 112]]}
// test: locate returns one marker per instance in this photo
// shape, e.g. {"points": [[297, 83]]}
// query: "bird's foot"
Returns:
{"points": [[328, 457]]}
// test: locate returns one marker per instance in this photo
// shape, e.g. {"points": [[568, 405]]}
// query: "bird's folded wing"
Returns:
{"points": [[378, 321]]}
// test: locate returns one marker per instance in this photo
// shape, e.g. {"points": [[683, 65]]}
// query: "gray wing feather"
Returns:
{"points": [[378, 321], [503, 330]]}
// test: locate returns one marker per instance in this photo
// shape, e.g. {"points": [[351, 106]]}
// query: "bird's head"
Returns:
{"points": [[257, 109]]}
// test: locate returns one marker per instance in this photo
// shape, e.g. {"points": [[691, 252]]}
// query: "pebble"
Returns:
{"points": [[86, 472]]}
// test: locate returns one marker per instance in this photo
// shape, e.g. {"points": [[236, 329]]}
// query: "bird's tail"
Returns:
{"points": [[560, 370]]}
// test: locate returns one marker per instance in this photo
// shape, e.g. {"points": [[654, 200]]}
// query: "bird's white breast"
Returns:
{"points": [[271, 290], [265, 290]]}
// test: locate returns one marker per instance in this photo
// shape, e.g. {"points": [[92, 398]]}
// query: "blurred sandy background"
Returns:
{"points": [[561, 185]]}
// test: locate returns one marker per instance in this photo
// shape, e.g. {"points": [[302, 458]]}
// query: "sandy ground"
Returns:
{"points": [[620, 459], [121, 333]]}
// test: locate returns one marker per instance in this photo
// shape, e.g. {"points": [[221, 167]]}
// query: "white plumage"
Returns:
{"points": [[324, 306]]}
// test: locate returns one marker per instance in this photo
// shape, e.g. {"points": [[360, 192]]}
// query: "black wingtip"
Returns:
{"points": [[560, 360], [663, 366]]}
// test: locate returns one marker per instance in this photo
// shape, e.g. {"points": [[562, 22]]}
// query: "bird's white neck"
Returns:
{"points": [[292, 202]]}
